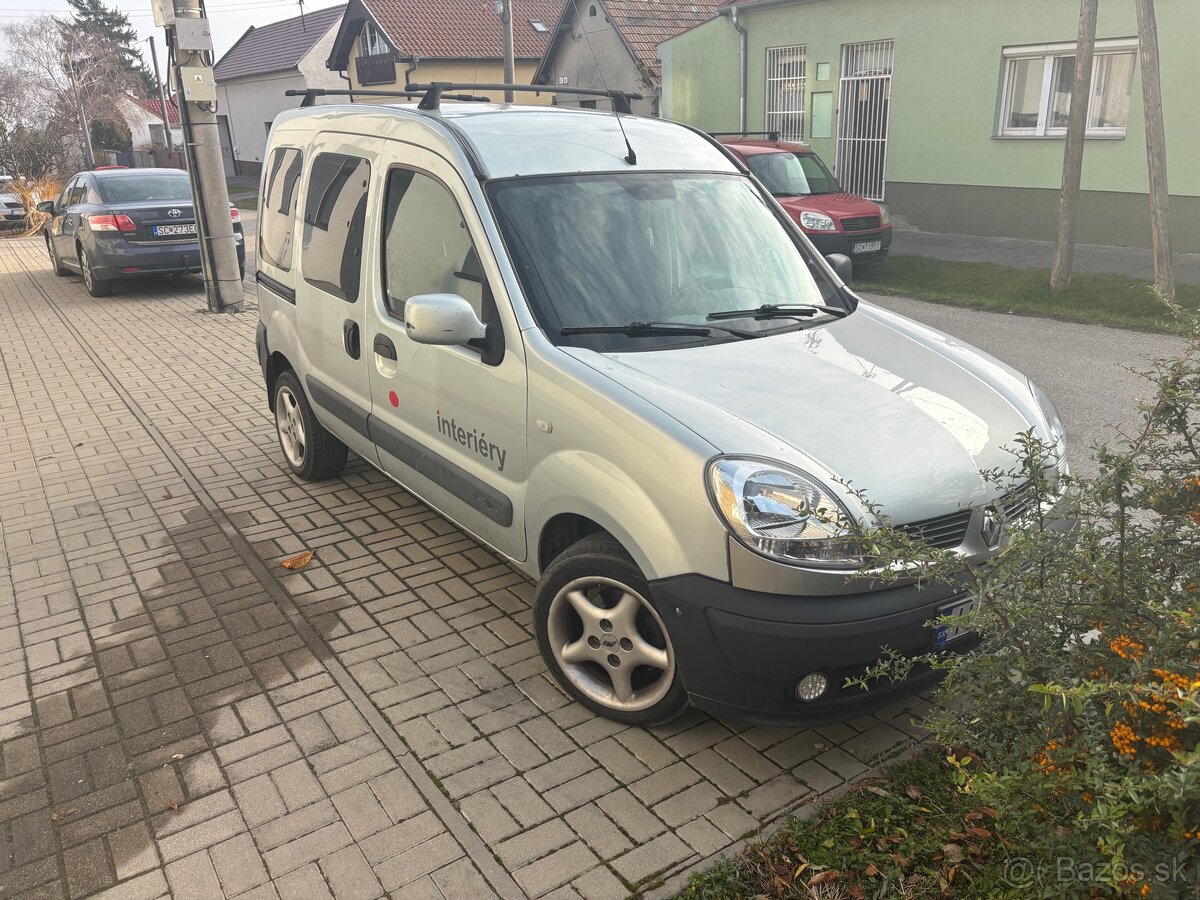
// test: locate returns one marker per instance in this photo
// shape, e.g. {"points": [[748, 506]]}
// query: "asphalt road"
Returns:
{"points": [[1086, 369]]}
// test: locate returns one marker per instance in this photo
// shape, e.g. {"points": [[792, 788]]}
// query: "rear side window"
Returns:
{"points": [[335, 209], [278, 216], [427, 249]]}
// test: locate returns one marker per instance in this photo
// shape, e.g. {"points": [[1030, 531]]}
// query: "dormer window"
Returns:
{"points": [[371, 41]]}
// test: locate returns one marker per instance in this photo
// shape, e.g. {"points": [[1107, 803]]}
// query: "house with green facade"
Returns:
{"points": [[954, 111]]}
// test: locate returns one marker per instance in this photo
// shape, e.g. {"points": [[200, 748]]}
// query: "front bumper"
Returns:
{"points": [[831, 242], [742, 652], [114, 259]]}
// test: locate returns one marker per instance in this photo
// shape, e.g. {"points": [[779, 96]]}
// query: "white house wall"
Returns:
{"points": [[574, 59]]}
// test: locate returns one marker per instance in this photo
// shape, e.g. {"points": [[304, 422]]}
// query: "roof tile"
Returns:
{"points": [[278, 46], [462, 29]]}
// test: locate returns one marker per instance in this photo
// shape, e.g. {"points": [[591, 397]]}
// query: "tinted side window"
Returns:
{"points": [[77, 192], [279, 208], [335, 209], [427, 248], [65, 197]]}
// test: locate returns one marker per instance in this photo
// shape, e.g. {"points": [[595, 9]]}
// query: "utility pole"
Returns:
{"points": [[1156, 148], [504, 9], [162, 96], [1068, 201], [189, 42]]}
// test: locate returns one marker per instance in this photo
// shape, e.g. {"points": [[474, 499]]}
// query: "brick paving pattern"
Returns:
{"points": [[180, 715]]}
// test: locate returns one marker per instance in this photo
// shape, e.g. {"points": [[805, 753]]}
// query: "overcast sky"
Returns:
{"points": [[229, 18]]}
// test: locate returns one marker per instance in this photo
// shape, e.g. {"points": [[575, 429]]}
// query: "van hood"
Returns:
{"points": [[899, 411]]}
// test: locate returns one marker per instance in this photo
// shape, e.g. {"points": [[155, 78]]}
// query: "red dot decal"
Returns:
{"points": [[394, 398]]}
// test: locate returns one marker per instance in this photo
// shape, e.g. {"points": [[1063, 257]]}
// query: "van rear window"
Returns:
{"points": [[278, 211], [335, 210]]}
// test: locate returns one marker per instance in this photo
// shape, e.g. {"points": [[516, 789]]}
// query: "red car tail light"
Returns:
{"points": [[109, 222], [235, 214]]}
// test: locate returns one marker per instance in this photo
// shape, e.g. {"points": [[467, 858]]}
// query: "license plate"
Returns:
{"points": [[866, 246], [170, 230], [949, 631]]}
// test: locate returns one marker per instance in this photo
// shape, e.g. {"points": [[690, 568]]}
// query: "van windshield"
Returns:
{"points": [[611, 249], [792, 174]]}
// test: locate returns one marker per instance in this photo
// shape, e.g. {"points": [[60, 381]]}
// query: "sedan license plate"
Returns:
{"points": [[174, 230], [866, 246], [949, 631]]}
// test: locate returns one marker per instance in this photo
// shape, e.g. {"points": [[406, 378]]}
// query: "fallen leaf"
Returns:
{"points": [[299, 561], [62, 814], [877, 791], [176, 756], [914, 793], [822, 878], [871, 872], [953, 853], [855, 892]]}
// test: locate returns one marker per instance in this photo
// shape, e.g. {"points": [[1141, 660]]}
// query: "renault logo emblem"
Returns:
{"points": [[174, 213], [992, 528]]}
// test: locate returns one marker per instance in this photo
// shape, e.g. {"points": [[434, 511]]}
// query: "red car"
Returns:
{"points": [[835, 221]]}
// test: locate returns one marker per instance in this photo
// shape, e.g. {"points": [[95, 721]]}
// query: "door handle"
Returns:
{"points": [[350, 339], [384, 347]]}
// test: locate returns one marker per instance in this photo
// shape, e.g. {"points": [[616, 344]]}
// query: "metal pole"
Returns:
{"points": [[206, 171], [510, 74], [162, 96]]}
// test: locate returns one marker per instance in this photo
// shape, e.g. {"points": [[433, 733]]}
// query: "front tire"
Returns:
{"points": [[97, 287], [310, 450], [602, 638]]}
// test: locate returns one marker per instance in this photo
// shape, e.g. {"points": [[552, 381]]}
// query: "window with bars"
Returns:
{"points": [[1038, 82], [785, 92]]}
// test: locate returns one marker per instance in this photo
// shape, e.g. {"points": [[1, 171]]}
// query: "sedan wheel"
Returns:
{"points": [[97, 287], [58, 267]]}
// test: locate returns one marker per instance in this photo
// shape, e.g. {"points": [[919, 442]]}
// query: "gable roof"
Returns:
{"points": [[276, 47], [642, 25], [446, 29], [152, 106]]}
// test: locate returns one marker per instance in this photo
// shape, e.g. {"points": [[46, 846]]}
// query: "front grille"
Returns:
{"points": [[946, 531], [1019, 503], [13, 204], [860, 223]]}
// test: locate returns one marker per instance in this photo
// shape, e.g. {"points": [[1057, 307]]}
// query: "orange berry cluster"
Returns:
{"points": [[1127, 648]]}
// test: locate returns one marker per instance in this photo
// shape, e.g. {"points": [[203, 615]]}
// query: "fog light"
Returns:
{"points": [[812, 686]]}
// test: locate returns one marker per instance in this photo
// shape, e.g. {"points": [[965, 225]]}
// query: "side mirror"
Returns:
{"points": [[446, 319], [842, 265], [46, 206]]}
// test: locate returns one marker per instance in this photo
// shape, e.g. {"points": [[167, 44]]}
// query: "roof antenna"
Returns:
{"points": [[632, 157]]}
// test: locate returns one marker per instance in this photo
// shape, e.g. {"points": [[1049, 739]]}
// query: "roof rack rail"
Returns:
{"points": [[769, 135], [310, 95], [435, 91]]}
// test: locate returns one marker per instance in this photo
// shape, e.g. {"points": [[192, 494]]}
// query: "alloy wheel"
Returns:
{"points": [[611, 644], [290, 423]]}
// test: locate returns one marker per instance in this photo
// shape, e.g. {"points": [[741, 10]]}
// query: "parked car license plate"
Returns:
{"points": [[949, 631], [866, 246], [169, 230]]}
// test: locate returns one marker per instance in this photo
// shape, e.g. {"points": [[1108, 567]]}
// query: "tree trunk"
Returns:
{"points": [[1156, 149], [1068, 201]]}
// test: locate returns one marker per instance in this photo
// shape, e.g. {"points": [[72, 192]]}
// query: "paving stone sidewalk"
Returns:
{"points": [[180, 715]]}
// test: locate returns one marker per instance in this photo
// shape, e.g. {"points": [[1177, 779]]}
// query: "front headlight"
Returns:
{"points": [[782, 513], [885, 214], [1058, 434], [816, 221]]}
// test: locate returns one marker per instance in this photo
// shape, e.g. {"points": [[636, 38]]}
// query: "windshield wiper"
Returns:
{"points": [[779, 311], [639, 329]]}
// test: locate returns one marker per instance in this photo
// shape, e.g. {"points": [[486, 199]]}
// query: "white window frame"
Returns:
{"points": [[371, 41], [775, 79], [1050, 53]]}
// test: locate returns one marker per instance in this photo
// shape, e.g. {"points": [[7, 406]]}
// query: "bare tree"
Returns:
{"points": [[1068, 201], [71, 79], [1156, 149]]}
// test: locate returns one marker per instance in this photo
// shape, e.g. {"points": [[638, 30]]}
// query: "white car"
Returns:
{"points": [[12, 208], [601, 347]]}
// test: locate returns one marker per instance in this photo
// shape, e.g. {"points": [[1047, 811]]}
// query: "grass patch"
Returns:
{"points": [[1095, 299], [909, 833], [243, 196]]}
